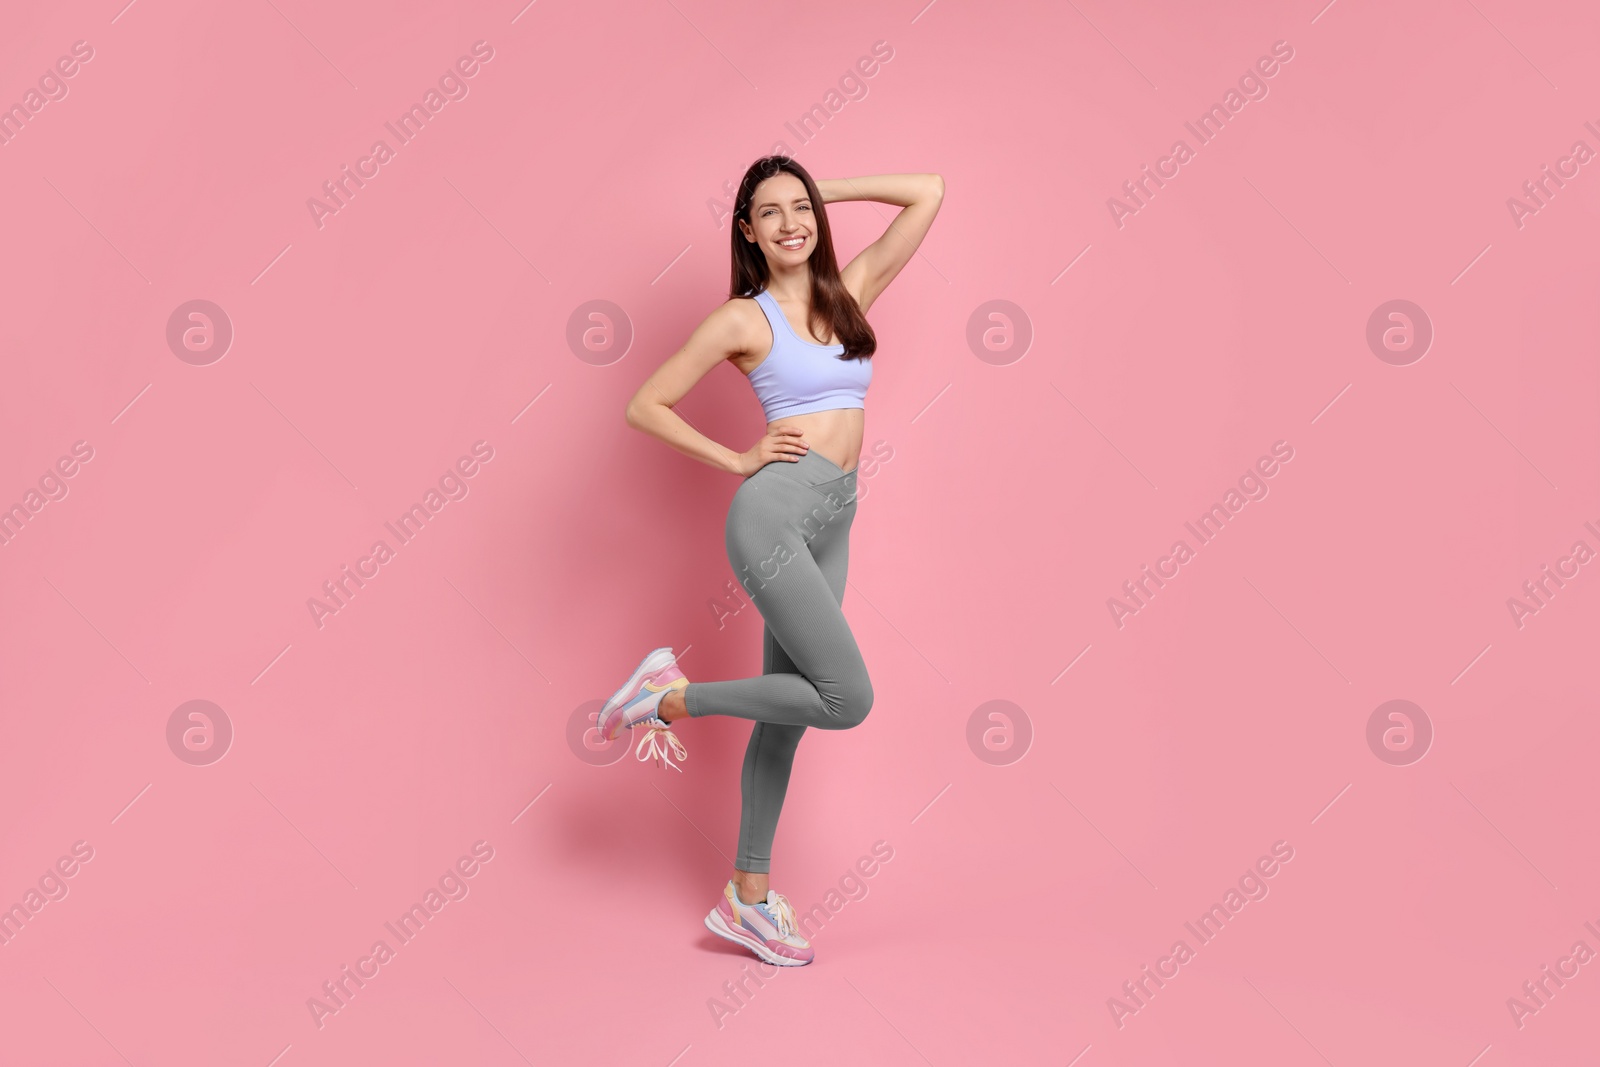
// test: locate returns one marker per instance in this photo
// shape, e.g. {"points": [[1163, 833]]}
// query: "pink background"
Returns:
{"points": [[1026, 484]]}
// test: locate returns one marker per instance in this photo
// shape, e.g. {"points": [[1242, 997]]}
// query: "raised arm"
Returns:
{"points": [[920, 195], [650, 409]]}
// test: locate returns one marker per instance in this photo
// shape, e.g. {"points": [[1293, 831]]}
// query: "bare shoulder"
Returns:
{"points": [[740, 328], [731, 326]]}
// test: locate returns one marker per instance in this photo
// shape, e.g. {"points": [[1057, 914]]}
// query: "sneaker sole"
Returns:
{"points": [[719, 926]]}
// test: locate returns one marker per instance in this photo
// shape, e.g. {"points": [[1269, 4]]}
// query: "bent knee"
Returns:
{"points": [[852, 703]]}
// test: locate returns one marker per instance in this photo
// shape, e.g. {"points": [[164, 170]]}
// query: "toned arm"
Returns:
{"points": [[721, 335], [920, 195]]}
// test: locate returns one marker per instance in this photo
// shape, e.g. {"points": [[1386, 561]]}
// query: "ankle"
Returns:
{"points": [[673, 707], [750, 887]]}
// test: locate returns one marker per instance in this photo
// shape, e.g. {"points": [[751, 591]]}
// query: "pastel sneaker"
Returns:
{"points": [[636, 701], [768, 929]]}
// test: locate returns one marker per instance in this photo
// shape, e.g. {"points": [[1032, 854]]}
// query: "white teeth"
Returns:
{"points": [[795, 242]]}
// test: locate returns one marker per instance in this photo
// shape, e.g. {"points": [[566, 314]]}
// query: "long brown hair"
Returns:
{"points": [[831, 302]]}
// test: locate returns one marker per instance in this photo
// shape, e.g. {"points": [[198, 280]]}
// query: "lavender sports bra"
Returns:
{"points": [[799, 377]]}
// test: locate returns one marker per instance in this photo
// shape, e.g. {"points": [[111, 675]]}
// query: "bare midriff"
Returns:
{"points": [[835, 433]]}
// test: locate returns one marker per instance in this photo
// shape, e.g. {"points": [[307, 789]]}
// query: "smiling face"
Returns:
{"points": [[782, 221]]}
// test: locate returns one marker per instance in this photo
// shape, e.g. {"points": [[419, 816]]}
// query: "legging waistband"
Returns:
{"points": [[814, 470]]}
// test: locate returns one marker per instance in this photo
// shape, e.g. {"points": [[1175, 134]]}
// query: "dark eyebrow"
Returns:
{"points": [[774, 203]]}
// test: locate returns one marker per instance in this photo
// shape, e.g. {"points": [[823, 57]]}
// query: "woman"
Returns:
{"points": [[796, 326]]}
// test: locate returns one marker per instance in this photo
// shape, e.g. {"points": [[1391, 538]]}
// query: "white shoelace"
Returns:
{"points": [[660, 744], [783, 911]]}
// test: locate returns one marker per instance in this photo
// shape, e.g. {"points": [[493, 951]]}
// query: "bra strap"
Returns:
{"points": [[770, 308]]}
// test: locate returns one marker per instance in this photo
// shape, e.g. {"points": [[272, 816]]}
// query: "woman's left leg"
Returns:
{"points": [[787, 531]]}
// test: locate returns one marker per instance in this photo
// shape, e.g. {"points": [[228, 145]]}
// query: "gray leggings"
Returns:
{"points": [[788, 538]]}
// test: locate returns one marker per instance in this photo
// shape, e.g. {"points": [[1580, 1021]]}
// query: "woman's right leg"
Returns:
{"points": [[781, 519]]}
